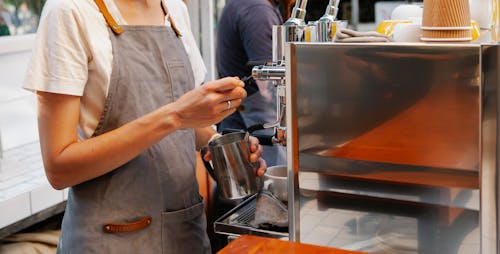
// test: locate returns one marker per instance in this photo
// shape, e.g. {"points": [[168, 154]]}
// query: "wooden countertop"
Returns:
{"points": [[248, 244]]}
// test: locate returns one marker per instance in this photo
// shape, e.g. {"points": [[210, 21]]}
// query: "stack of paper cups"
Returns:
{"points": [[446, 20]]}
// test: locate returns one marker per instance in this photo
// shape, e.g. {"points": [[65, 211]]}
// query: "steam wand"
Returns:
{"points": [[325, 23]]}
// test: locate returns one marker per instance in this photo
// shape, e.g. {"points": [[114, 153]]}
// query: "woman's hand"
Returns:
{"points": [[209, 103], [255, 156]]}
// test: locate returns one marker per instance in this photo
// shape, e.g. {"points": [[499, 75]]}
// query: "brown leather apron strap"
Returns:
{"points": [[117, 29], [127, 227], [172, 24]]}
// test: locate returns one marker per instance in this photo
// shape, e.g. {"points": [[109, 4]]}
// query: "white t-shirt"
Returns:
{"points": [[73, 54]]}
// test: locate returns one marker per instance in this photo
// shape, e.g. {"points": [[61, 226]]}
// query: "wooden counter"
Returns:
{"points": [[249, 244]]}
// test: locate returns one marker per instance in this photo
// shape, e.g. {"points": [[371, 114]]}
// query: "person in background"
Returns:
{"points": [[4, 28], [120, 117], [5, 20], [244, 38]]}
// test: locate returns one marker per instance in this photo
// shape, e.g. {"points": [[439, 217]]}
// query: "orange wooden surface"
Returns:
{"points": [[435, 179], [441, 130], [204, 181], [248, 244]]}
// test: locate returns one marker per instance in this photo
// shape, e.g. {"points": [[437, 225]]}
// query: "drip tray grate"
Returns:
{"points": [[238, 221]]}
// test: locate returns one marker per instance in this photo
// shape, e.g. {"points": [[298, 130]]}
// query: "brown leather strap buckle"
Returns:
{"points": [[117, 29], [127, 227]]}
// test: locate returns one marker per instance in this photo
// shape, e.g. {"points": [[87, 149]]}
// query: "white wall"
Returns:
{"points": [[17, 106], [201, 13], [24, 189]]}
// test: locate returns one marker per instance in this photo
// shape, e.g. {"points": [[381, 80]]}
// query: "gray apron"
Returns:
{"points": [[150, 69]]}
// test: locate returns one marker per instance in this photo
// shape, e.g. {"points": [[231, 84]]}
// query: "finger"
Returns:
{"points": [[225, 84], [254, 157], [262, 168], [207, 156], [254, 144], [237, 93], [224, 114], [228, 105]]}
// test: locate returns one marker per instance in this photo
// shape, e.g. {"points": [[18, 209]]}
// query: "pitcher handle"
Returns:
{"points": [[207, 164]]}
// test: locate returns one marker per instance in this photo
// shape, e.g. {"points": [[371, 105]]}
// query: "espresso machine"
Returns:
{"points": [[391, 148], [293, 30], [240, 220]]}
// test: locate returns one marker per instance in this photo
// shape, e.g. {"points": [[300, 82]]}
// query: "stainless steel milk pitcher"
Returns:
{"points": [[232, 169]]}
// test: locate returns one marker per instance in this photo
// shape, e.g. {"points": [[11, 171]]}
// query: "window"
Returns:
{"points": [[19, 16]]}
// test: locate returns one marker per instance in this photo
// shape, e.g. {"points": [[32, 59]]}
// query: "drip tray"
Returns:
{"points": [[238, 222]]}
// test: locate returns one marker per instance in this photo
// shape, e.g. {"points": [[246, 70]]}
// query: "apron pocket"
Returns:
{"points": [[182, 80], [183, 231]]}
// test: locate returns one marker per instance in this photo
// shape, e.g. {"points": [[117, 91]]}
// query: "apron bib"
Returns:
{"points": [[151, 204]]}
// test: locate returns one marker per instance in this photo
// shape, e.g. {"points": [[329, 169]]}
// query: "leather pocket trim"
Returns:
{"points": [[127, 227]]}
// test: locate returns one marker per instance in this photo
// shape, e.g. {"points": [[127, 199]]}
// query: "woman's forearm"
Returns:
{"points": [[69, 162]]}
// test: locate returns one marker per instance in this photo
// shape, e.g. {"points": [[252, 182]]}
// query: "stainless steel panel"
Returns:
{"points": [[405, 105], [292, 146], [431, 195], [490, 142], [372, 225], [400, 124]]}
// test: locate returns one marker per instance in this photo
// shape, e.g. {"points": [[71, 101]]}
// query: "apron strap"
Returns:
{"points": [[117, 29], [172, 24]]}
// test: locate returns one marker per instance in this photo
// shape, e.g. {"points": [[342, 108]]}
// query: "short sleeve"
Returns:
{"points": [[60, 57], [256, 26]]}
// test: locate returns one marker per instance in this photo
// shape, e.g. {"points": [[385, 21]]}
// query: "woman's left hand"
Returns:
{"points": [[256, 156]]}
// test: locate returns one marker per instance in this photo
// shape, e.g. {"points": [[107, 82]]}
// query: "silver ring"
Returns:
{"points": [[228, 104]]}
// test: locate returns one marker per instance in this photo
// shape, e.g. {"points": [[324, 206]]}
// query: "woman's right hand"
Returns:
{"points": [[208, 104]]}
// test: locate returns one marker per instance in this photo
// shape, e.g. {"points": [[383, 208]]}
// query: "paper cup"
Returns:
{"points": [[446, 35], [406, 33], [446, 13]]}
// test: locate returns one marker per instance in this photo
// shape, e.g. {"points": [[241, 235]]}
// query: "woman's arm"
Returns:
{"points": [[69, 162]]}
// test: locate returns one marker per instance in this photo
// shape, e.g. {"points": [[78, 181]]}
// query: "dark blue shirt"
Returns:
{"points": [[244, 34]]}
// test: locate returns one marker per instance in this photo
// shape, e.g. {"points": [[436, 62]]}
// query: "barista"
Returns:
{"points": [[122, 74]]}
